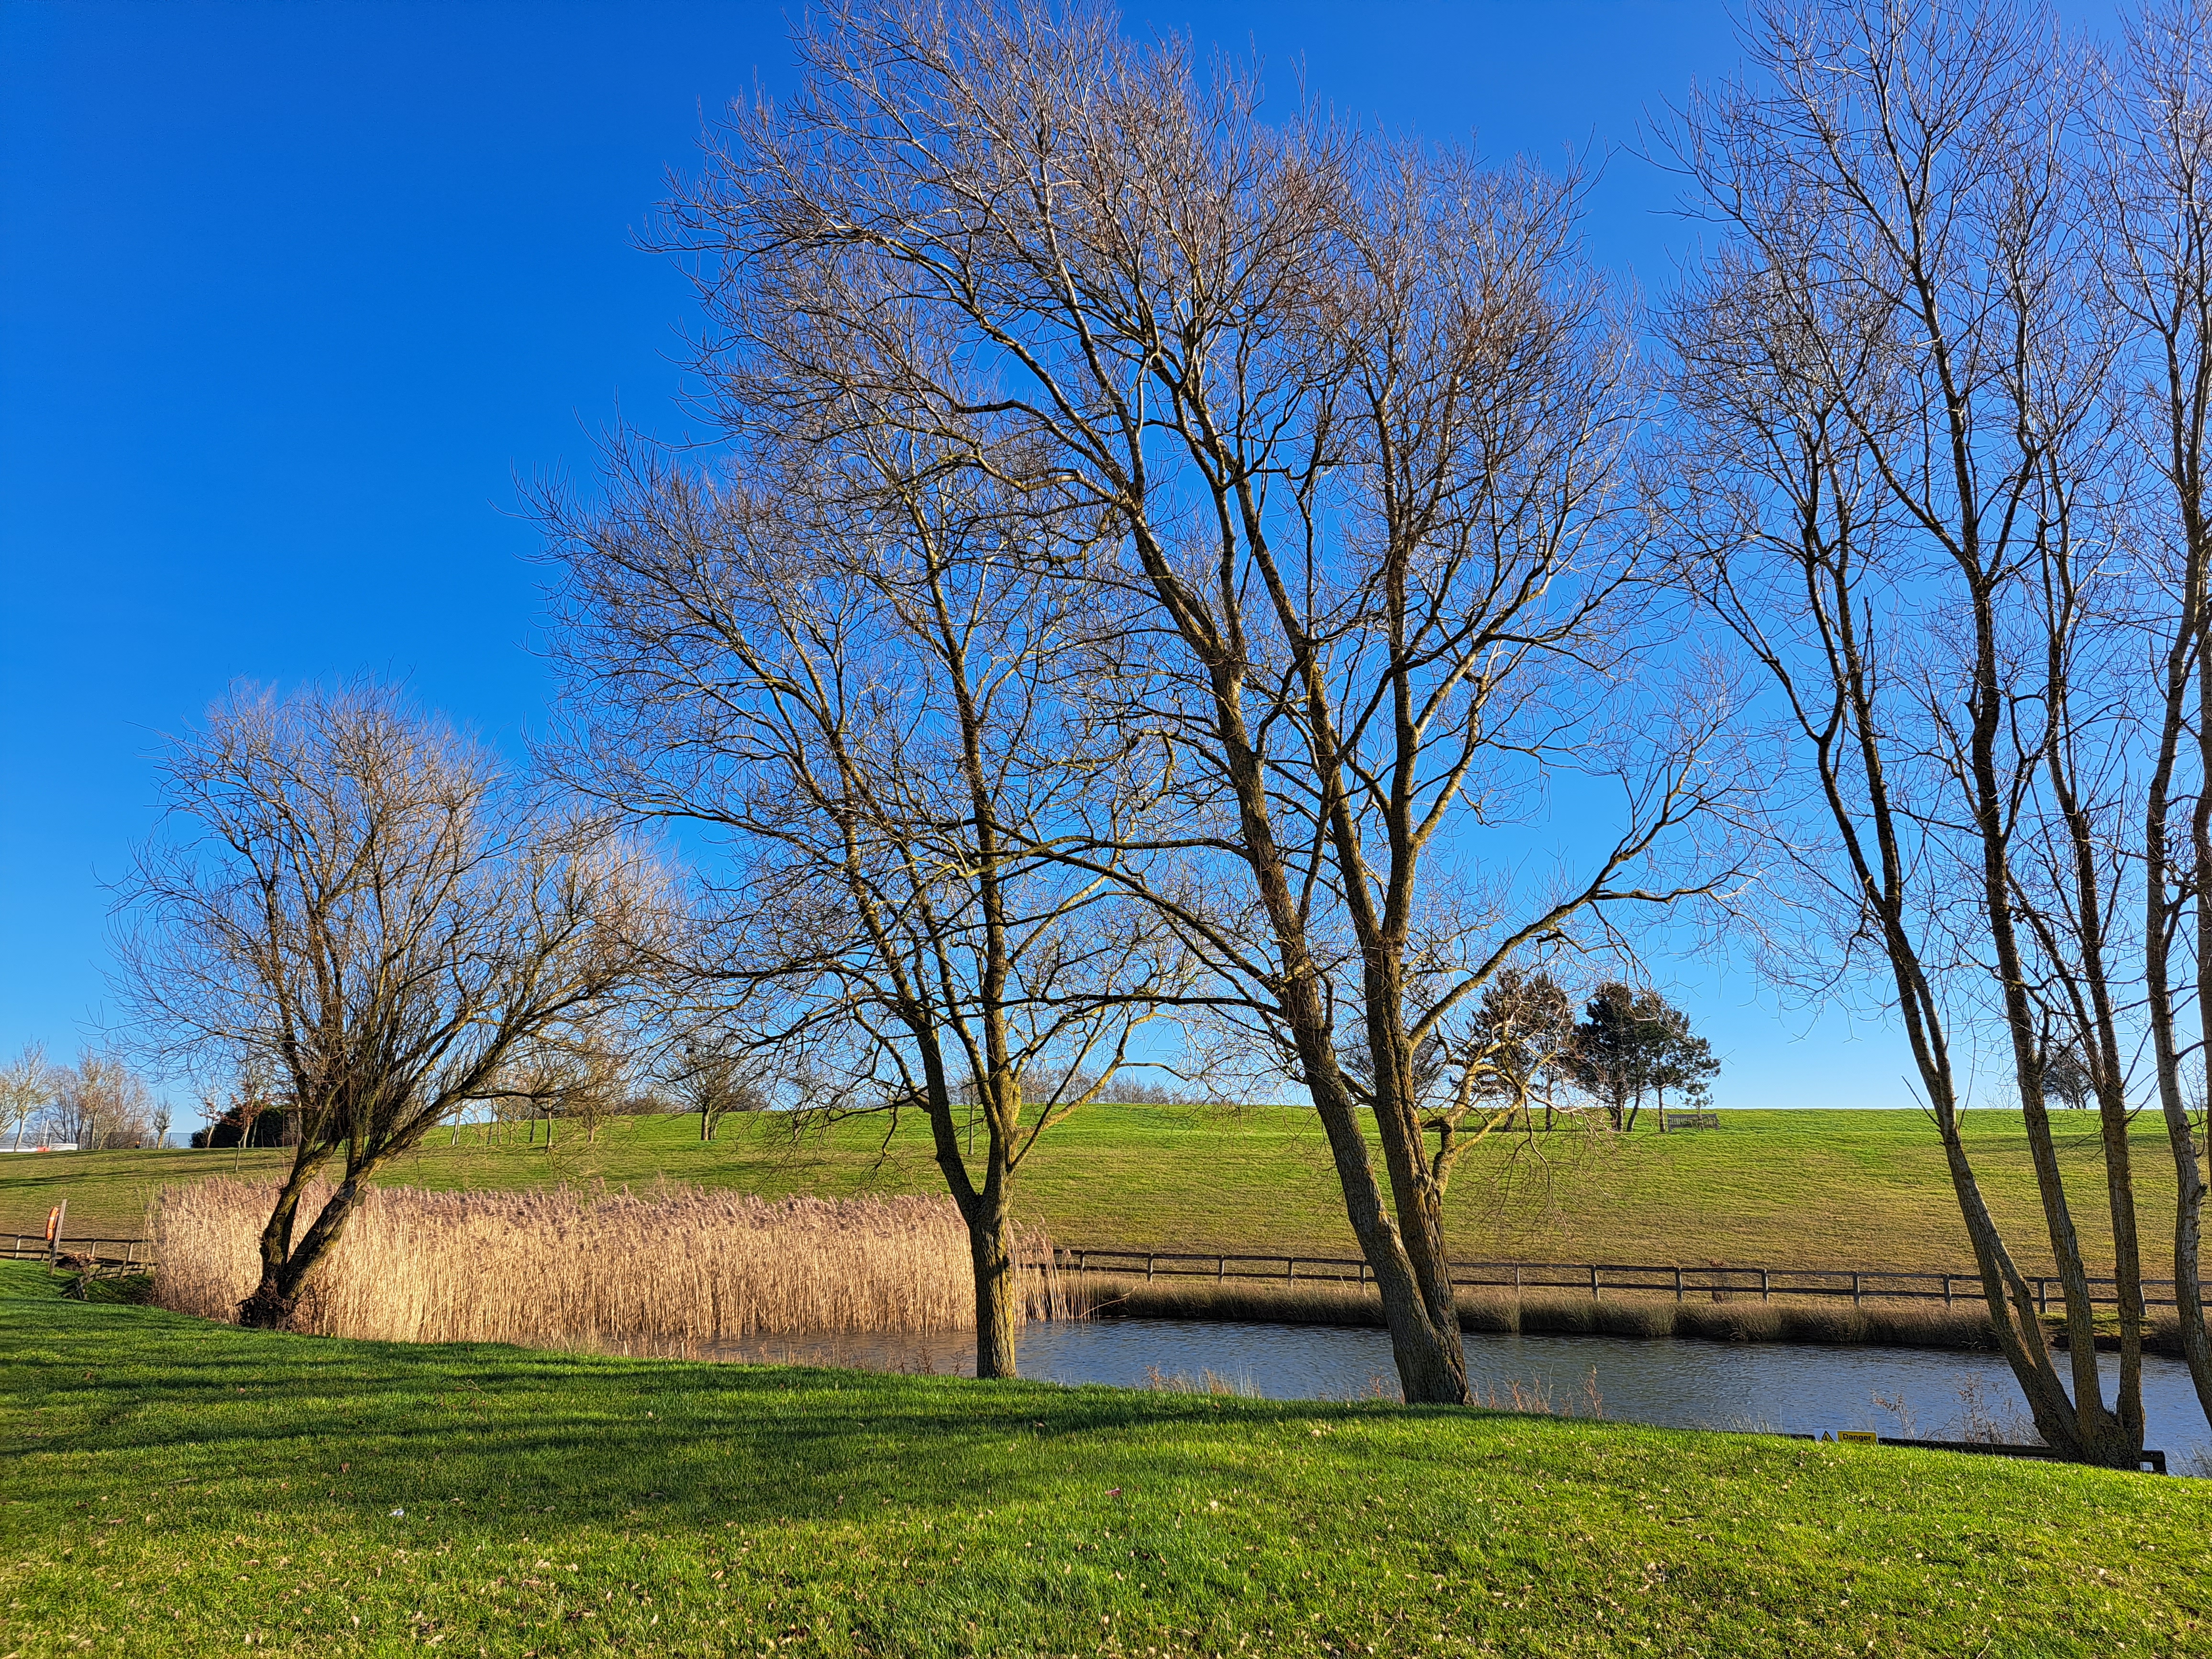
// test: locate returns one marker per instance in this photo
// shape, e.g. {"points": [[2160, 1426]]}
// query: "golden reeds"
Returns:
{"points": [[566, 1268]]}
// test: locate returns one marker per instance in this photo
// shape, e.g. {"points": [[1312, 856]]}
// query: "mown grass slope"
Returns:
{"points": [[168, 1486], [1783, 1188]]}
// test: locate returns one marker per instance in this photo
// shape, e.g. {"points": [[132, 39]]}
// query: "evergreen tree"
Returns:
{"points": [[1634, 1045]]}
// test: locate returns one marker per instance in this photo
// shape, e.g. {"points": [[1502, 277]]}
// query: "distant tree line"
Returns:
{"points": [[100, 1103]]}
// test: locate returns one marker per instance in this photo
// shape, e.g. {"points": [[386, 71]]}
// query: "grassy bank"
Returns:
{"points": [[1848, 1189], [172, 1487], [1899, 1324]]}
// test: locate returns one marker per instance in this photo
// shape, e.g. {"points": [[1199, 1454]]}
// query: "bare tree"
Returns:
{"points": [[2153, 207], [1352, 416], [352, 893], [1895, 467], [2067, 1078], [712, 1081], [26, 1088], [235, 1100], [100, 1103], [843, 664], [574, 1072]]}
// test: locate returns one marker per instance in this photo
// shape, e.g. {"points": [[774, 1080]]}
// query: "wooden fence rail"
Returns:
{"points": [[136, 1254], [1591, 1278]]}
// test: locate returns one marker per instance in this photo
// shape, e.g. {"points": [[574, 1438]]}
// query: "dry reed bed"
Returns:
{"points": [[561, 1268]]}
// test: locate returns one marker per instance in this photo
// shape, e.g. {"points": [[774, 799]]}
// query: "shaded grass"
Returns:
{"points": [[172, 1487], [1865, 1189]]}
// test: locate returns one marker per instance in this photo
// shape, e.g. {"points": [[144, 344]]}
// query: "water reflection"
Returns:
{"points": [[1792, 1387]]}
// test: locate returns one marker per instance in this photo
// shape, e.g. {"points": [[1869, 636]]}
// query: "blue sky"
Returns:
{"points": [[292, 296]]}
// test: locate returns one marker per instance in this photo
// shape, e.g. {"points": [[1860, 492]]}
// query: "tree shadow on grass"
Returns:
{"points": [[599, 1438]]}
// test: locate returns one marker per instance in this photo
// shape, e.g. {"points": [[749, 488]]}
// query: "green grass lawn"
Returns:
{"points": [[1784, 1187], [175, 1487]]}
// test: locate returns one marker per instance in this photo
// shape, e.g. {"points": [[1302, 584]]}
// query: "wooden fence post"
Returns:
{"points": [[1594, 1296], [1677, 1284], [1855, 1289], [1766, 1286]]}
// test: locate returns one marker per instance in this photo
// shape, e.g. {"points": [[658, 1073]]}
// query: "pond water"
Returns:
{"points": [[1795, 1387]]}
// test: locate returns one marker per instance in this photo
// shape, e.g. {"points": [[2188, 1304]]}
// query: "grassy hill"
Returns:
{"points": [[172, 1487], [1784, 1187]]}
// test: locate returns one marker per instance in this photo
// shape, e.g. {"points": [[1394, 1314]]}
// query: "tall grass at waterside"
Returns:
{"points": [[1908, 1325], [559, 1267]]}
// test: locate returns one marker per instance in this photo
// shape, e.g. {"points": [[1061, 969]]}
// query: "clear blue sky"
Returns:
{"points": [[292, 294]]}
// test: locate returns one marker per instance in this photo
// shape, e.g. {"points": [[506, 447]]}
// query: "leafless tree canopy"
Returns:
{"points": [[351, 896], [852, 667], [1344, 423], [1950, 338], [27, 1087], [102, 1104], [711, 1080]]}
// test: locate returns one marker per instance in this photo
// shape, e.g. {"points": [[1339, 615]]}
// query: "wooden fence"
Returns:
{"points": [[1593, 1279], [108, 1255]]}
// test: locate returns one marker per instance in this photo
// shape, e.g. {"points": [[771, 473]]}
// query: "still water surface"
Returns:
{"points": [[1792, 1387]]}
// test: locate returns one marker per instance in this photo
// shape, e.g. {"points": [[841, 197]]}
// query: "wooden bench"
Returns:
{"points": [[1674, 1121]]}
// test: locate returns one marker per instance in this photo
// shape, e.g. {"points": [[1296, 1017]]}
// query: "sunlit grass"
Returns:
{"points": [[172, 1487]]}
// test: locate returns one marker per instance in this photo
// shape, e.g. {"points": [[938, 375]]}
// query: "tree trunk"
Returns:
{"points": [[1411, 1274], [2188, 1281], [990, 1246], [276, 1300], [263, 1308]]}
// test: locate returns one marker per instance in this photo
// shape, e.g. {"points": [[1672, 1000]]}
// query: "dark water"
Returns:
{"points": [[1786, 1386]]}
